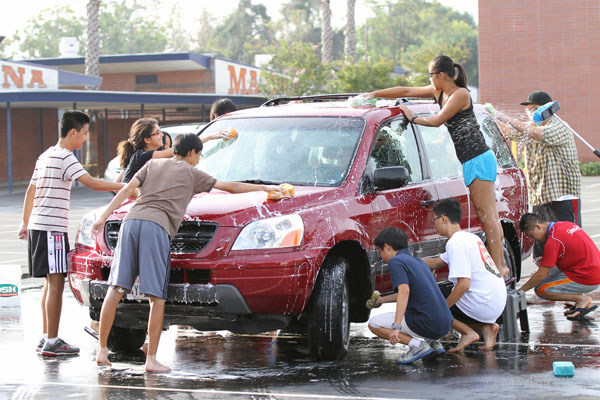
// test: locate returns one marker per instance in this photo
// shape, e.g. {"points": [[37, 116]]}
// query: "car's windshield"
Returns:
{"points": [[302, 151]]}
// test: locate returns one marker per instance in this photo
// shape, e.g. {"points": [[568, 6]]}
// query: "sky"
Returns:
{"points": [[13, 19]]}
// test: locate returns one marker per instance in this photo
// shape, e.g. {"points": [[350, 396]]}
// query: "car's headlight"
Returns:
{"points": [[286, 231], [84, 233]]}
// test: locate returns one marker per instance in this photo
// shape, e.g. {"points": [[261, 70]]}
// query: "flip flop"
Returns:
{"points": [[582, 313], [571, 308]]}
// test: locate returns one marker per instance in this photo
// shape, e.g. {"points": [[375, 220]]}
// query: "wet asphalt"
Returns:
{"points": [[277, 365]]}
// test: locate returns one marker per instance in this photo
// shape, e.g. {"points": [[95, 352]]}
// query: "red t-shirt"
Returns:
{"points": [[573, 252]]}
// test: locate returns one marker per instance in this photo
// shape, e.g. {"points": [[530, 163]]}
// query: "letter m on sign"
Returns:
{"points": [[237, 82], [9, 72]]}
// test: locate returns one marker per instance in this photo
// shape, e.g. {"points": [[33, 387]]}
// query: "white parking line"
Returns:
{"points": [[592, 210], [592, 185], [206, 391], [12, 261]]}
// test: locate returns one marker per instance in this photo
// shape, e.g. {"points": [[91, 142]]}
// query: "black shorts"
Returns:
{"points": [[47, 253], [446, 289]]}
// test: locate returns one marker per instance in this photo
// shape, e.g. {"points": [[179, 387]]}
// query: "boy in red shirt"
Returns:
{"points": [[577, 261]]}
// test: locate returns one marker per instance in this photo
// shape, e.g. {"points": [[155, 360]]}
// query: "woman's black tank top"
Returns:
{"points": [[464, 131]]}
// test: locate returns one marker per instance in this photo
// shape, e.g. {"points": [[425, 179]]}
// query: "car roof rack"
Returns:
{"points": [[409, 100], [316, 98]]}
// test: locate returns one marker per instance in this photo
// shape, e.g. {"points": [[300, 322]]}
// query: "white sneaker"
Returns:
{"points": [[415, 353], [437, 347]]}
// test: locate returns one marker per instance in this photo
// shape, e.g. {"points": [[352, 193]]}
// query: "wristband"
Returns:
{"points": [[413, 118], [395, 326]]}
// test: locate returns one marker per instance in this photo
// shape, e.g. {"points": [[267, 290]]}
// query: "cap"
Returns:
{"points": [[537, 97]]}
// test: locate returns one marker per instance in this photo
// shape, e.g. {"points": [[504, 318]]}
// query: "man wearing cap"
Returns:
{"points": [[551, 161]]}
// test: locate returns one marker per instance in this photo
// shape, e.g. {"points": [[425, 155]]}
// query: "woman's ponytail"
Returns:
{"points": [[454, 70], [460, 76], [140, 130], [125, 150]]}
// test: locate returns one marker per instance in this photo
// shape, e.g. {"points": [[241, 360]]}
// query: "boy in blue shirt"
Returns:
{"points": [[422, 315]]}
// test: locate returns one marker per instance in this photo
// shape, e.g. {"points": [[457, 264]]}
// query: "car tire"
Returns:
{"points": [[329, 315], [509, 261], [126, 340]]}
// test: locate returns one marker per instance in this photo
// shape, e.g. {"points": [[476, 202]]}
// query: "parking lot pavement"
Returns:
{"points": [[224, 365]]}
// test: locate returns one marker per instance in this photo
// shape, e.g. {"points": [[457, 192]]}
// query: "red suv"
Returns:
{"points": [[242, 263]]}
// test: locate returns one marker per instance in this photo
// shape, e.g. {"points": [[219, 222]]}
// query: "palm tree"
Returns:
{"points": [[92, 67], [350, 42], [92, 48], [326, 32]]}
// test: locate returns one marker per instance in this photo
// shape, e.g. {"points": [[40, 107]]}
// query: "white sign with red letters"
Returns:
{"points": [[235, 79], [20, 76]]}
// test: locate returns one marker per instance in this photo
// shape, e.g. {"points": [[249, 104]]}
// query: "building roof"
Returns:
{"points": [[133, 63], [99, 99]]}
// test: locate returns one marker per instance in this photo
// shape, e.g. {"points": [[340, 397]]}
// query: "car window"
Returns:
{"points": [[303, 151], [394, 146], [440, 151], [493, 138]]}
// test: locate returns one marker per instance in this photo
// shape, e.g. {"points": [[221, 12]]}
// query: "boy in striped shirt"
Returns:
{"points": [[46, 222]]}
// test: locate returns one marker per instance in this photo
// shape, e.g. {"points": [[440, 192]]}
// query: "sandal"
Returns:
{"points": [[582, 314]]}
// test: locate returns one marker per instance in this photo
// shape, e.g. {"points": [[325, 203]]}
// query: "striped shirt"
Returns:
{"points": [[55, 170], [552, 164]]}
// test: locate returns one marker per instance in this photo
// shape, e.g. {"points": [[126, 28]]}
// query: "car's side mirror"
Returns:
{"points": [[391, 177]]}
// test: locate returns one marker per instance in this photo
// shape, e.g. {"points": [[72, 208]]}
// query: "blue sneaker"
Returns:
{"points": [[415, 353]]}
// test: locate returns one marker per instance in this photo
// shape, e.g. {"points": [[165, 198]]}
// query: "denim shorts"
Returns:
{"points": [[483, 167]]}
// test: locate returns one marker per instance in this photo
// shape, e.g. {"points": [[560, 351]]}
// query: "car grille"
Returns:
{"points": [[191, 237]]}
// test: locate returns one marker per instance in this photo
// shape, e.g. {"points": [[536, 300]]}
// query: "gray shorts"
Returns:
{"points": [[143, 249], [557, 282]]}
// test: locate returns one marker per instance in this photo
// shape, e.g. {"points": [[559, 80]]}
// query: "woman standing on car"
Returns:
{"points": [[449, 88]]}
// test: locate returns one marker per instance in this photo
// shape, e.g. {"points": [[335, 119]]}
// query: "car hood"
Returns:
{"points": [[239, 209]]}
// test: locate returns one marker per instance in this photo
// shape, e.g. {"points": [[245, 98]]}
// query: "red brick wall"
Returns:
{"points": [[550, 45], [26, 140], [172, 81]]}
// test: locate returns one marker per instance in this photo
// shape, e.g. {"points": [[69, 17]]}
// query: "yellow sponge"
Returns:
{"points": [[287, 190], [373, 300]]}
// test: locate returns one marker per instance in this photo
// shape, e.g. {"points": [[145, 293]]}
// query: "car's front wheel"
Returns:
{"points": [[329, 313], [126, 340]]}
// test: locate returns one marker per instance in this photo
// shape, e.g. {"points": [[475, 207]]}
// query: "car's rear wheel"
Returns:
{"points": [[126, 340], [329, 313]]}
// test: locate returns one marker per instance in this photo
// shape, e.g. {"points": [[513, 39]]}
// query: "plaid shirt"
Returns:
{"points": [[552, 164]]}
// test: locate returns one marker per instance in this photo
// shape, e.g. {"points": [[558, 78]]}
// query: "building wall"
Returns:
{"points": [[550, 45], [173, 81], [27, 145], [26, 140]]}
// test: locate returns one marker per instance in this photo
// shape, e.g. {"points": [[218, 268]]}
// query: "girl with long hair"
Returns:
{"points": [[449, 88]]}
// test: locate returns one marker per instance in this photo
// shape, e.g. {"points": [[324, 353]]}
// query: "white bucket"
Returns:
{"points": [[10, 286]]}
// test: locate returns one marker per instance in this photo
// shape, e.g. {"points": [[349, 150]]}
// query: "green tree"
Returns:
{"points": [[365, 76], [41, 36], [248, 24], [295, 70], [124, 28], [128, 29], [300, 22], [409, 31]]}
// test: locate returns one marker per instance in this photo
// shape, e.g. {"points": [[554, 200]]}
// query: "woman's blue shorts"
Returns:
{"points": [[483, 167]]}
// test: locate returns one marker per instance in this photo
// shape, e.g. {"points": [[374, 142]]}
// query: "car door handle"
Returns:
{"points": [[427, 203]]}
